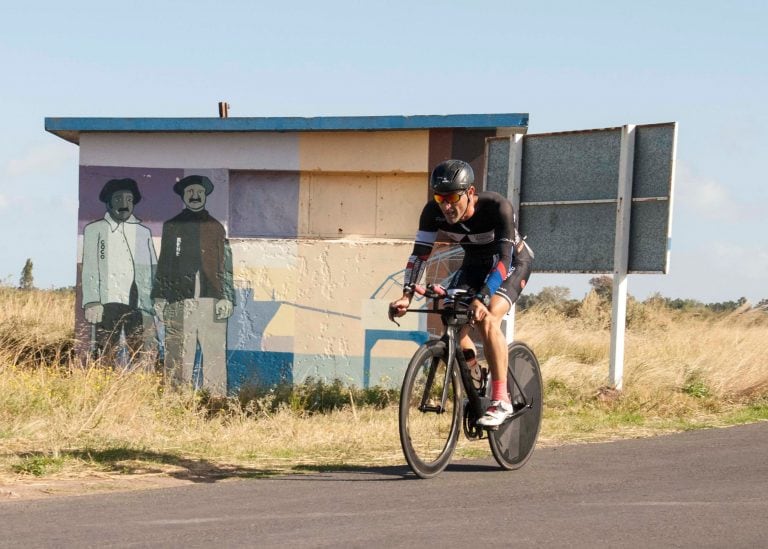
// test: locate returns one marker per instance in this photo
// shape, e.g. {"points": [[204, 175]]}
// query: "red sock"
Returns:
{"points": [[499, 390]]}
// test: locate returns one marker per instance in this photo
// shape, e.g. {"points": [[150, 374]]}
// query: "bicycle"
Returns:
{"points": [[431, 403]]}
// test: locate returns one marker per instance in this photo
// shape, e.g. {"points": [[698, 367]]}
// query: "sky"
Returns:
{"points": [[570, 65]]}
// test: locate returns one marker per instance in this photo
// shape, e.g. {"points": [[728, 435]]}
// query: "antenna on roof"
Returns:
{"points": [[223, 109]]}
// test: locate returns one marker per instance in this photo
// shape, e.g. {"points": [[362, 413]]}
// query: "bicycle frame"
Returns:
{"points": [[450, 339], [454, 318]]}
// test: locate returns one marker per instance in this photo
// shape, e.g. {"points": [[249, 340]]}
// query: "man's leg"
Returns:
{"points": [[180, 341], [463, 278], [108, 333], [133, 325], [149, 342], [102, 331], [478, 373], [493, 338], [495, 345], [213, 343], [465, 340]]}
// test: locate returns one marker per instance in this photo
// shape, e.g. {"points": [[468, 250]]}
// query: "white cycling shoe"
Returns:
{"points": [[496, 414]]}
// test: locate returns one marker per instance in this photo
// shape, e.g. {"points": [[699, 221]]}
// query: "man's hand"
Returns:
{"points": [[479, 310], [159, 306], [397, 308], [224, 309], [94, 312]]}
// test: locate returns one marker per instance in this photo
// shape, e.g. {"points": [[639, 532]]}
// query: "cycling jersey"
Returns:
{"points": [[489, 239]]}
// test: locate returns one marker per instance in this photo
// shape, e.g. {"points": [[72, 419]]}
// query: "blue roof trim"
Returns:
{"points": [[70, 128]]}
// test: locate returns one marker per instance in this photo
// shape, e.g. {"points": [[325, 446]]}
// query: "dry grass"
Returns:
{"points": [[665, 351], [58, 418], [36, 326], [681, 371]]}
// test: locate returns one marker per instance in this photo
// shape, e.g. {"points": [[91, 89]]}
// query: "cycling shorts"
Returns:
{"points": [[473, 272]]}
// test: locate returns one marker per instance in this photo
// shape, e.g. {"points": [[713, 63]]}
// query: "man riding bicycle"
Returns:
{"points": [[496, 266]]}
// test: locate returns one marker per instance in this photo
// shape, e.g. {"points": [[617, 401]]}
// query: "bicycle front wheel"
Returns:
{"points": [[429, 423], [513, 442]]}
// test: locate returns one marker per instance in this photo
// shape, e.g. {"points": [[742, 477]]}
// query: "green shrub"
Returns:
{"points": [[315, 396], [39, 465]]}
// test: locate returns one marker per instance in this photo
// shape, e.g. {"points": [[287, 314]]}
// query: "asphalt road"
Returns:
{"points": [[698, 489]]}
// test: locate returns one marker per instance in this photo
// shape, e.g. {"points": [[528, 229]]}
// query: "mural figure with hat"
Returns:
{"points": [[193, 291], [119, 264]]}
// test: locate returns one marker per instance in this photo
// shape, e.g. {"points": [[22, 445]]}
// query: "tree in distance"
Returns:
{"points": [[603, 286], [27, 281]]}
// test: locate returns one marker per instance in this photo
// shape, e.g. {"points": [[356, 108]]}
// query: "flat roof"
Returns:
{"points": [[71, 128]]}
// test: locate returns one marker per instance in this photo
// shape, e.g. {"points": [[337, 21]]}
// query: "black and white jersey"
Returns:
{"points": [[490, 232]]}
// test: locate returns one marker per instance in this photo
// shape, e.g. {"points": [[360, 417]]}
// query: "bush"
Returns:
{"points": [[315, 396]]}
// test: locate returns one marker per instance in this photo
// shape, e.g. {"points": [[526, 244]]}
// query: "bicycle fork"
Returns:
{"points": [[454, 359], [427, 404]]}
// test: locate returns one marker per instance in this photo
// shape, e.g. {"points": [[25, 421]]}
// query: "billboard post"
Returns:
{"points": [[621, 255]]}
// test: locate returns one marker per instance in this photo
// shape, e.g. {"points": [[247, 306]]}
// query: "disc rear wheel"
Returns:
{"points": [[513, 442]]}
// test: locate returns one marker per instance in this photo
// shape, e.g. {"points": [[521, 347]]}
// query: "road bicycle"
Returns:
{"points": [[438, 394]]}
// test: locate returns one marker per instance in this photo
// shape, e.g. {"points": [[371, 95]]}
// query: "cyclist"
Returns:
{"points": [[496, 266]]}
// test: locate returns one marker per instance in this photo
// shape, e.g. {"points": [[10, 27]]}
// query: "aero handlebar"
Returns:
{"points": [[431, 291]]}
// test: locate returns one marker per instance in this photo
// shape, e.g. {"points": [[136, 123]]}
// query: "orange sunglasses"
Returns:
{"points": [[450, 198]]}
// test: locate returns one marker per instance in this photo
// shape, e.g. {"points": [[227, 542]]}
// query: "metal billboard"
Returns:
{"points": [[567, 190]]}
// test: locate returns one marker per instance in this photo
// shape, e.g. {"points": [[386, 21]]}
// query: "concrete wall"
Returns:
{"points": [[320, 226]]}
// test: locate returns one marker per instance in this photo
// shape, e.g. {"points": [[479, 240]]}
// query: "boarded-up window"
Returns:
{"points": [[373, 205], [325, 205], [264, 204]]}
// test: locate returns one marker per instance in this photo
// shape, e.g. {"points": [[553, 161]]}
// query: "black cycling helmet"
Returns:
{"points": [[452, 176]]}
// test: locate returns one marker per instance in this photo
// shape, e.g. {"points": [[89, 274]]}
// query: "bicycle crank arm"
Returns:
{"points": [[428, 408]]}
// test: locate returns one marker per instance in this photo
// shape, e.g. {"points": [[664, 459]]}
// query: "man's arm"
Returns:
{"points": [[90, 282], [145, 268], [422, 247], [167, 243], [225, 306], [227, 275], [160, 281], [417, 262]]}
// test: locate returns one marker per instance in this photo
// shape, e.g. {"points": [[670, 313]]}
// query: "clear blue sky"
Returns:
{"points": [[571, 65]]}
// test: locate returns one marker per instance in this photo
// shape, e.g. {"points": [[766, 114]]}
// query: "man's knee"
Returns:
{"points": [[490, 325]]}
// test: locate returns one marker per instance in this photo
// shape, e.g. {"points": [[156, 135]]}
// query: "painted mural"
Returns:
{"points": [[193, 294], [140, 309], [226, 278], [170, 289], [119, 263]]}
